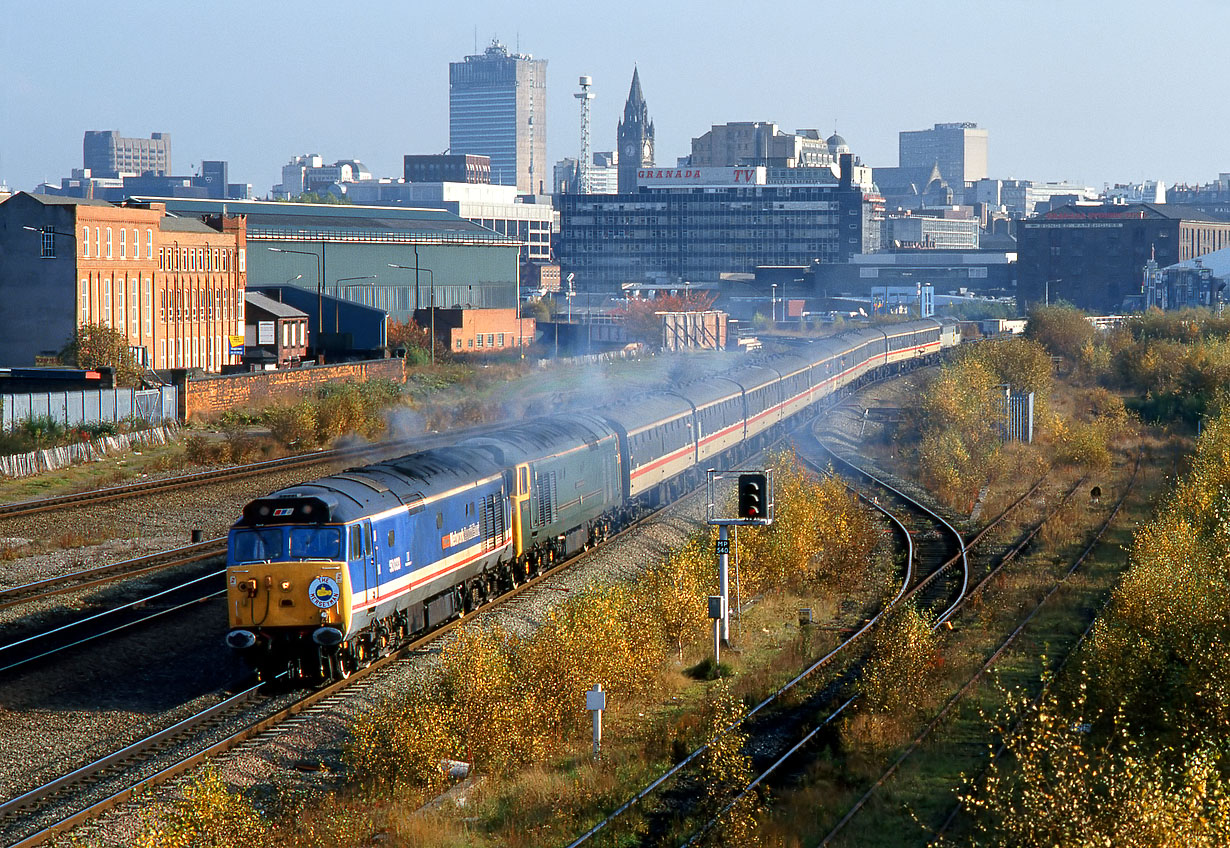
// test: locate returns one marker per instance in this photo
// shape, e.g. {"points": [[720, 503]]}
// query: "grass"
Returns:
{"points": [[150, 459]]}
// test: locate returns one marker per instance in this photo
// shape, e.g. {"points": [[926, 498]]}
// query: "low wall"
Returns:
{"points": [[215, 394]]}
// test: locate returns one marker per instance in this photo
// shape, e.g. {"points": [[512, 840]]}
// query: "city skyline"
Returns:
{"points": [[1066, 92]]}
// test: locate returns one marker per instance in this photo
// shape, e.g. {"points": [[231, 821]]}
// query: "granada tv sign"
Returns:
{"points": [[701, 176]]}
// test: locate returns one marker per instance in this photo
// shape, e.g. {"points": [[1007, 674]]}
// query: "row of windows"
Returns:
{"points": [[99, 249], [200, 304], [493, 340], [194, 352], [199, 259]]}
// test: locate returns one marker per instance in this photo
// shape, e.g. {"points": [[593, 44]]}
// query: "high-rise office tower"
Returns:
{"points": [[635, 137], [960, 151], [108, 154], [497, 107]]}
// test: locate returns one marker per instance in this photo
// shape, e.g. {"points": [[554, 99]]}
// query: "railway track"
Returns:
{"points": [[925, 562], [792, 755], [237, 472], [118, 777], [90, 578], [113, 620]]}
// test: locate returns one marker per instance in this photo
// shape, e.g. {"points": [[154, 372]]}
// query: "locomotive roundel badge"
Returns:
{"points": [[323, 592]]}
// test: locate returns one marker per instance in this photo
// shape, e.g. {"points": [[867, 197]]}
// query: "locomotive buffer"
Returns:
{"points": [[753, 505]]}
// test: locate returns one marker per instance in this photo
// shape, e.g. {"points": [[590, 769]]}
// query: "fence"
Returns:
{"points": [[592, 358], [87, 406], [35, 462]]}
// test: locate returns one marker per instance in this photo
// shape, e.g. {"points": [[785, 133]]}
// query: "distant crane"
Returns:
{"points": [[583, 167]]}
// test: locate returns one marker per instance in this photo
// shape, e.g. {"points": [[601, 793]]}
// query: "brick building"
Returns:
{"points": [[1094, 256], [173, 286], [479, 330]]}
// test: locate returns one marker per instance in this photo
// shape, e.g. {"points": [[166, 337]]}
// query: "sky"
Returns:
{"points": [[1090, 91]]}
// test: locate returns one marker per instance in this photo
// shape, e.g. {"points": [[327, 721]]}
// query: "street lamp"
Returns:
{"points": [[337, 306], [773, 305], [320, 288], [432, 279], [1047, 286], [42, 231]]}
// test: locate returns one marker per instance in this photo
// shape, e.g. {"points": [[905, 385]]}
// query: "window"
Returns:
{"points": [[133, 302], [107, 298], [162, 353], [149, 244], [123, 243], [500, 339], [390, 538], [356, 542], [242, 259], [480, 340], [149, 307], [108, 242], [85, 242], [287, 341], [459, 344], [439, 520], [119, 302], [97, 244], [491, 340], [47, 244], [470, 342], [85, 301], [191, 260]]}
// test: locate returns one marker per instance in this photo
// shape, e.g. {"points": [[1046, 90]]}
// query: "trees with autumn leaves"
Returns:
{"points": [[640, 318], [503, 700], [1130, 748], [96, 346]]}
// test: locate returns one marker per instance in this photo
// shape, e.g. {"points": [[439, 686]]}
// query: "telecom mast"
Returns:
{"points": [[583, 167]]}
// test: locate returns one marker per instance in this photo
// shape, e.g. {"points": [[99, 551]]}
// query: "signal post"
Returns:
{"points": [[753, 506]]}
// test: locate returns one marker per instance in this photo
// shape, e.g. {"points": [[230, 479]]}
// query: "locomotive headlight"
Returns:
{"points": [[285, 585]]}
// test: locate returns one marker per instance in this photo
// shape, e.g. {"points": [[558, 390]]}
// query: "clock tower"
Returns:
{"points": [[634, 136]]}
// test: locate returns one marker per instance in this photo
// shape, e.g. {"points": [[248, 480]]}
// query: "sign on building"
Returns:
{"points": [[266, 333], [235, 347]]}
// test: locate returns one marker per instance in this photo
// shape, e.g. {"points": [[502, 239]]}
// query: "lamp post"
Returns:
{"points": [[49, 231], [773, 305], [1047, 289], [432, 279], [320, 288], [337, 307]]}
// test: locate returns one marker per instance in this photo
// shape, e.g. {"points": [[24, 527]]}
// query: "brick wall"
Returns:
{"points": [[212, 395]]}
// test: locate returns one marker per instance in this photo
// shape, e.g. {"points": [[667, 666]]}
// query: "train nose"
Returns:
{"points": [[241, 640], [327, 637]]}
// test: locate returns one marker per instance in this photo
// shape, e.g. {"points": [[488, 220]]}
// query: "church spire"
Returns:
{"points": [[634, 136]]}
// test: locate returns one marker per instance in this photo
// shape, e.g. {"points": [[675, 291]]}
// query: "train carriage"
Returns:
{"points": [[762, 397], [796, 382], [718, 410], [565, 486], [657, 444]]}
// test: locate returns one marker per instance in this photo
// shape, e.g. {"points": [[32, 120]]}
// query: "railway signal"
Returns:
{"points": [[752, 491]]}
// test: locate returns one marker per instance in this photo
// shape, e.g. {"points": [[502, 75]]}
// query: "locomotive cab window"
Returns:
{"points": [[367, 540], [356, 542], [390, 538], [439, 520]]}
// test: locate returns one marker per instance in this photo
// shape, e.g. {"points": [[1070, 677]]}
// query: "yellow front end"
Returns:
{"points": [[272, 596]]}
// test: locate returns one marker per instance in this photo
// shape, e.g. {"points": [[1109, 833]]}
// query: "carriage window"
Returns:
{"points": [[439, 520]]}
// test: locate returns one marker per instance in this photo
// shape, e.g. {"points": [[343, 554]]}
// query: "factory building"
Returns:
{"points": [[347, 251], [174, 286], [1095, 256]]}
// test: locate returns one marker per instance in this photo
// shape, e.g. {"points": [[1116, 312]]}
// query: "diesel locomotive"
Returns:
{"points": [[324, 576]]}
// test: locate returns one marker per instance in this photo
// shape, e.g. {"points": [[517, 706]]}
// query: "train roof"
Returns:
{"points": [[362, 491], [708, 390], [635, 415], [752, 377], [540, 437]]}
